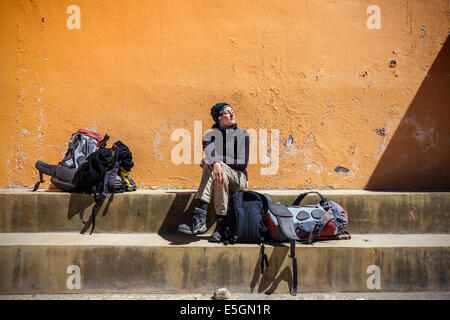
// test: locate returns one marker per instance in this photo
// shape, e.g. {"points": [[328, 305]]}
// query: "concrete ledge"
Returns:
{"points": [[162, 210], [184, 241], [152, 263]]}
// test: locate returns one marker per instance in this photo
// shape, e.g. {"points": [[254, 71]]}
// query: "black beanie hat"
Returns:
{"points": [[216, 111]]}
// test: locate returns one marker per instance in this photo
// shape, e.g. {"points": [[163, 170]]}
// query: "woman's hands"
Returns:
{"points": [[218, 174]]}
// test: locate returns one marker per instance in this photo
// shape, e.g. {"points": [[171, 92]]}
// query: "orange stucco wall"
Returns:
{"points": [[313, 70]]}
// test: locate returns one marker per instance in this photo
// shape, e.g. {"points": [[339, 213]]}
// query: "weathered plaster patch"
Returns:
{"points": [[25, 132], [340, 169], [309, 139], [156, 143], [289, 141], [381, 132], [314, 167]]}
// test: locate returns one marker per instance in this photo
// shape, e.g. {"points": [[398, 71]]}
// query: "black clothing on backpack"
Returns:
{"points": [[123, 154], [92, 172]]}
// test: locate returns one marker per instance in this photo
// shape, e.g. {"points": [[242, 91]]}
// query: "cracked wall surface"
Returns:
{"points": [[355, 107]]}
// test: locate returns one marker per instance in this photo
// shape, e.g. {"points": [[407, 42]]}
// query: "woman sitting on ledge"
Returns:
{"points": [[226, 150]]}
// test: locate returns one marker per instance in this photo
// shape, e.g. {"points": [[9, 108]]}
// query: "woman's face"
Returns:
{"points": [[228, 118]]}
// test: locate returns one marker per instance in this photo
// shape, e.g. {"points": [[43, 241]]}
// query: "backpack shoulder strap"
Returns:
{"points": [[294, 269], [102, 144], [41, 180], [98, 204], [285, 221], [320, 226], [264, 259]]}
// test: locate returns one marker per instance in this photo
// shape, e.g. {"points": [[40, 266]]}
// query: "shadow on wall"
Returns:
{"points": [[418, 155]]}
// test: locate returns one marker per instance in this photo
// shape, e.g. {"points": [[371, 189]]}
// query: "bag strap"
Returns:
{"points": [[303, 195], [102, 143], [41, 180], [320, 226], [98, 204], [264, 260], [90, 133], [284, 218], [294, 269], [43, 168]]}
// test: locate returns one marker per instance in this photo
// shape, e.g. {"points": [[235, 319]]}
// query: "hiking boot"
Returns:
{"points": [[196, 224], [217, 234]]}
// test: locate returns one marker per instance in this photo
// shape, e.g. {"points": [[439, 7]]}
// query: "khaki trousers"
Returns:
{"points": [[234, 180]]}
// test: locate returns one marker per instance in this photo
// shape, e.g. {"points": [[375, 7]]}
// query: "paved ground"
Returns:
{"points": [[240, 296]]}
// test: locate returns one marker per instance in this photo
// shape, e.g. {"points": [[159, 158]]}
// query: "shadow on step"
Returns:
{"points": [[269, 281], [180, 212], [81, 204]]}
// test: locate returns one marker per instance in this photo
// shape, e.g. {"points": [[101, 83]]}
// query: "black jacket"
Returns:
{"points": [[230, 145]]}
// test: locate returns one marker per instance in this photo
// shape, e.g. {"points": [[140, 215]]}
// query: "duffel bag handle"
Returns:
{"points": [[303, 195]]}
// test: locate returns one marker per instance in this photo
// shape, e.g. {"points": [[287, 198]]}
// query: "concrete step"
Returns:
{"points": [[152, 211], [52, 263]]}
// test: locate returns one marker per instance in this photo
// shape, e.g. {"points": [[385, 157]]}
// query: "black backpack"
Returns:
{"points": [[99, 175], [246, 221]]}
